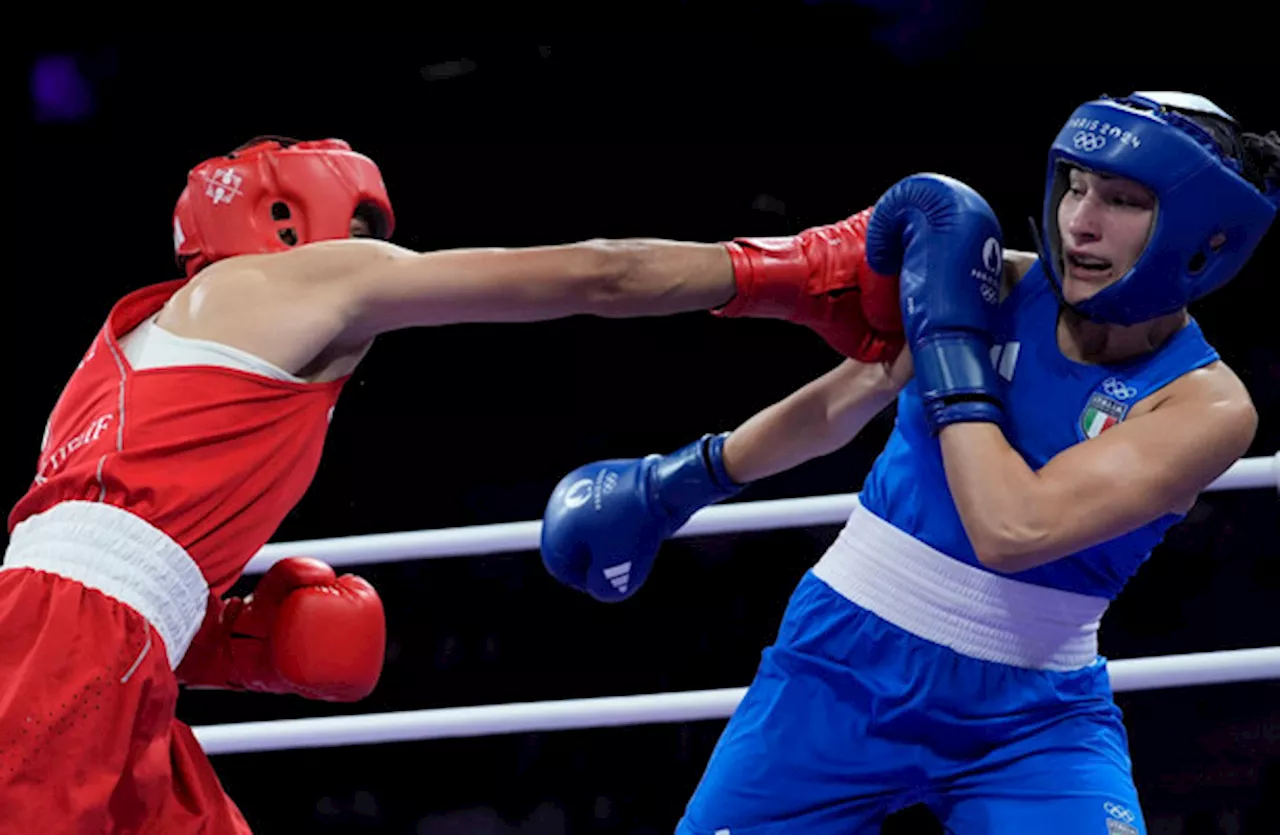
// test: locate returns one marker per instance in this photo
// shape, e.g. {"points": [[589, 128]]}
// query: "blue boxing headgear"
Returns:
{"points": [[1199, 190]]}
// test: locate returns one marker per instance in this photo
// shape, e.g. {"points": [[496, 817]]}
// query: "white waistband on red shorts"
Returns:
{"points": [[111, 550], [941, 599]]}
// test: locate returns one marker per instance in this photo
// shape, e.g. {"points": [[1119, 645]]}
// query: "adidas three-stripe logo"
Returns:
{"points": [[619, 575]]}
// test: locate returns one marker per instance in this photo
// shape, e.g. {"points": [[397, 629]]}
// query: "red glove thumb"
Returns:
{"points": [[287, 575]]}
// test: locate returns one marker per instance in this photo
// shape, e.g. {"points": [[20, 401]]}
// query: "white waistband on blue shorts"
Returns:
{"points": [[108, 549], [941, 599]]}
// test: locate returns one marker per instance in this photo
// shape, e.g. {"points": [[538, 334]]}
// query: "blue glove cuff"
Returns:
{"points": [[957, 381], [941, 413], [714, 451], [692, 477]]}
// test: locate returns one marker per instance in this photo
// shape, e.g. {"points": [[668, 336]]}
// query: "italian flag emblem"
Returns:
{"points": [[1101, 414]]}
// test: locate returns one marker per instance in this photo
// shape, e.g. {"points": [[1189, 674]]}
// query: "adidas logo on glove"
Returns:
{"points": [[619, 575]]}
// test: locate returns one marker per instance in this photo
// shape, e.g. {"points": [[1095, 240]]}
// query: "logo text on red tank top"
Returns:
{"points": [[60, 455]]}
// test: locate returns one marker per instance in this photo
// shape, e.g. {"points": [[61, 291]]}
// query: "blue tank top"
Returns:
{"points": [[1051, 403]]}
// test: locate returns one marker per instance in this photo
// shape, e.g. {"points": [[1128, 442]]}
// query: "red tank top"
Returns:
{"points": [[213, 457]]}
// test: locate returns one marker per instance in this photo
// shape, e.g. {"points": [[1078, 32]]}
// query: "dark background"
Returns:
{"points": [[692, 122]]}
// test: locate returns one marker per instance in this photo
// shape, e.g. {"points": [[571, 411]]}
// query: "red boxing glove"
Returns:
{"points": [[820, 279], [303, 630]]}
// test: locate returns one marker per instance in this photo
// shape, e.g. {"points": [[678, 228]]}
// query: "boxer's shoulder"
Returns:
{"points": [[309, 265], [285, 308], [1016, 265], [254, 284]]}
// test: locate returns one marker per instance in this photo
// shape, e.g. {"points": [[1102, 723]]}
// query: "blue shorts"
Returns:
{"points": [[851, 718]]}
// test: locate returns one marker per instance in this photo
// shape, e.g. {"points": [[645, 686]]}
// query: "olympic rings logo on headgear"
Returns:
{"points": [[1119, 812], [1117, 389], [1086, 141]]}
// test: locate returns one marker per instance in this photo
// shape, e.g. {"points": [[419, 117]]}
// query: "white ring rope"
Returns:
{"points": [[1126, 674], [691, 706], [736, 517]]}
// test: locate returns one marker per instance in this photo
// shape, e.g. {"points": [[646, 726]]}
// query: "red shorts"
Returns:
{"points": [[88, 738]]}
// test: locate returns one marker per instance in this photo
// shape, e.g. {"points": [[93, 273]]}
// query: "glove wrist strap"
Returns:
{"points": [[713, 457], [957, 380], [688, 480]]}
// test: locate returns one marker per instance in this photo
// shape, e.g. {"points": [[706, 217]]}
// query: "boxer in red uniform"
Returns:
{"points": [[196, 421]]}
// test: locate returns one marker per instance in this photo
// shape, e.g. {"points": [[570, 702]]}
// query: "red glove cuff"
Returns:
{"points": [[208, 661], [771, 275]]}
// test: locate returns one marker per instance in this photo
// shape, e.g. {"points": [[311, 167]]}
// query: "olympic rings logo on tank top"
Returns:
{"points": [[1119, 812], [1117, 389]]}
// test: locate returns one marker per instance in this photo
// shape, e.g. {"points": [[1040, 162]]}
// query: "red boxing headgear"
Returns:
{"points": [[273, 194]]}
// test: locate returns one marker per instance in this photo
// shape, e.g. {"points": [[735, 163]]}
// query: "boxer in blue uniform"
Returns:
{"points": [[1057, 414]]}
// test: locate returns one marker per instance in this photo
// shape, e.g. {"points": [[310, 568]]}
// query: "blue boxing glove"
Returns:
{"points": [[605, 521], [942, 238]]}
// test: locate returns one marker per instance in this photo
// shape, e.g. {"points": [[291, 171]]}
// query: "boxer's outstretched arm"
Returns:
{"points": [[817, 419], [398, 288], [288, 307]]}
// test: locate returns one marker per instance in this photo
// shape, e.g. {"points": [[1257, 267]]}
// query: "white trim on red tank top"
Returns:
{"points": [[151, 346]]}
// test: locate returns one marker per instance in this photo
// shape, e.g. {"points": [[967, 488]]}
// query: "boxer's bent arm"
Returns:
{"points": [[817, 419], [1137, 471], [612, 278]]}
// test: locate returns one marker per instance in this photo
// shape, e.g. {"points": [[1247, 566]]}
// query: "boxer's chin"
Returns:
{"points": [[1076, 289]]}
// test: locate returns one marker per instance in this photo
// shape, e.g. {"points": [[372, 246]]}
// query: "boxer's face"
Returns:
{"points": [[1104, 222]]}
